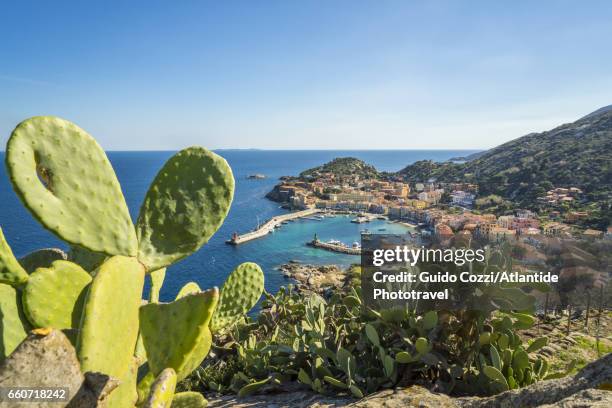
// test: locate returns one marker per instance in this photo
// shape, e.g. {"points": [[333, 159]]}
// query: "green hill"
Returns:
{"points": [[578, 154], [343, 166]]}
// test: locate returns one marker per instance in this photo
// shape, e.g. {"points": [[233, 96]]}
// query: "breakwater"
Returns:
{"points": [[269, 226], [335, 247]]}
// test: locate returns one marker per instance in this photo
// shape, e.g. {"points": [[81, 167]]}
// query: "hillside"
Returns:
{"points": [[343, 166], [578, 154]]}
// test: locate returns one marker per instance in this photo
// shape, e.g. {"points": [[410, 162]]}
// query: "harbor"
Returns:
{"points": [[269, 226]]}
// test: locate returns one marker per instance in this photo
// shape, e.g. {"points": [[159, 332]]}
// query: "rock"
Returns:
{"points": [[414, 396], [555, 393], [298, 399], [46, 359], [316, 278], [587, 398]]}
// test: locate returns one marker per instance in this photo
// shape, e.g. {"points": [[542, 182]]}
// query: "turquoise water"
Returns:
{"points": [[211, 264]]}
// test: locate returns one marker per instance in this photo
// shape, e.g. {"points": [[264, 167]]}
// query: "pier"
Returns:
{"points": [[269, 226], [334, 247]]}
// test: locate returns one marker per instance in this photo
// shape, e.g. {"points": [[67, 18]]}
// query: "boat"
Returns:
{"points": [[382, 229], [256, 176]]}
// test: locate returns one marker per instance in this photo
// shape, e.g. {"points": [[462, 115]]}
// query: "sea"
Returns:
{"points": [[214, 261]]}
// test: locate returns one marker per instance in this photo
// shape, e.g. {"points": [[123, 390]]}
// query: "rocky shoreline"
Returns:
{"points": [[314, 278]]}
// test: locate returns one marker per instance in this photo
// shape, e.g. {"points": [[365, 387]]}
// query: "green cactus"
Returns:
{"points": [[184, 207], [176, 334], [125, 395], [109, 326], [188, 399], [537, 344], [157, 281], [64, 178], [497, 377], [11, 272], [13, 324], [66, 181], [43, 258], [88, 260], [41, 304], [162, 390], [188, 288], [239, 294], [252, 388]]}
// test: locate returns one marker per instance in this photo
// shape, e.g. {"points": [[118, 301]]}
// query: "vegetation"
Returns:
{"points": [[337, 344], [66, 181], [344, 166]]}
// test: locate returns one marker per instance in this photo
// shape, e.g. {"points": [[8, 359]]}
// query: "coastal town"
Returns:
{"points": [[440, 209]]}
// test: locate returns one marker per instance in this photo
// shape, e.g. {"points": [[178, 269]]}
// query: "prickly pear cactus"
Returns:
{"points": [[189, 399], [176, 334], [88, 260], [239, 294], [185, 205], [190, 287], [162, 390], [11, 272], [43, 258], [157, 280], [64, 178], [125, 395], [109, 326], [13, 324], [54, 296]]}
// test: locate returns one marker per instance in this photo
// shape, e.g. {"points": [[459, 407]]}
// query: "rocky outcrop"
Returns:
{"points": [[561, 392], [47, 359], [316, 278]]}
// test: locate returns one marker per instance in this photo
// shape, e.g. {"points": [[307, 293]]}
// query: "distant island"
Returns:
{"points": [[557, 182]]}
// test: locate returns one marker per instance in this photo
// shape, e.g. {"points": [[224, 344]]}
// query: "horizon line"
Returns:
{"points": [[287, 150]]}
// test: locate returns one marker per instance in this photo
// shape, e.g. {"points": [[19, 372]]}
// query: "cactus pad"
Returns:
{"points": [[13, 324], [85, 258], [65, 179], [11, 272], [125, 395], [188, 399], [157, 280], [109, 326], [54, 296], [162, 390], [190, 287], [43, 258], [176, 334], [185, 205], [239, 294]]}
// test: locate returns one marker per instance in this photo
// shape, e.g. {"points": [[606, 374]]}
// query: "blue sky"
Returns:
{"points": [[155, 75]]}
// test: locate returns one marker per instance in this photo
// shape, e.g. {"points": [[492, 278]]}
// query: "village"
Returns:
{"points": [[440, 209]]}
